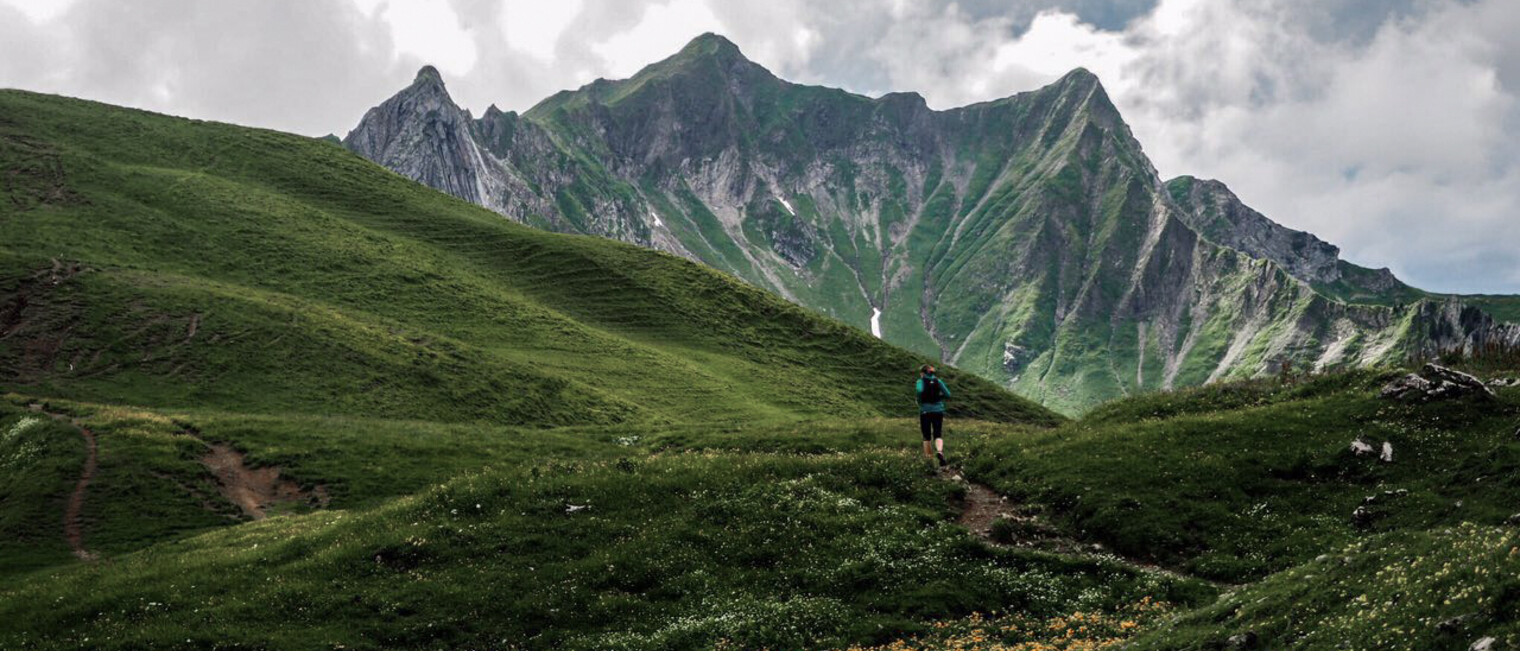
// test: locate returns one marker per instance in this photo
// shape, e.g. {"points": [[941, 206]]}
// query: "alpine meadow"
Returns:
{"points": [[634, 370]]}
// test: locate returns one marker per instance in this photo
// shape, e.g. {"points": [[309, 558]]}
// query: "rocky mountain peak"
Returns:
{"points": [[1080, 77], [428, 74], [1213, 210], [1087, 90], [422, 133], [706, 52], [963, 233], [710, 44]]}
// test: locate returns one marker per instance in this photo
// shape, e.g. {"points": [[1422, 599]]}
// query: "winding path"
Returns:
{"points": [[983, 506], [73, 530], [73, 525]]}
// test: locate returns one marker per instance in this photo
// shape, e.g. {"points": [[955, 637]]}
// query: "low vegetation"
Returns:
{"points": [[1235, 482], [469, 434]]}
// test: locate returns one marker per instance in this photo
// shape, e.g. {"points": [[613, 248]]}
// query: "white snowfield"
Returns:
{"points": [[786, 205], [876, 322]]}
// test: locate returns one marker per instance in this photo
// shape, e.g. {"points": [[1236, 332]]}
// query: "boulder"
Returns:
{"points": [[1504, 382], [1483, 644], [1361, 517], [1360, 447], [1387, 455], [1435, 382], [1453, 625], [1246, 640]]}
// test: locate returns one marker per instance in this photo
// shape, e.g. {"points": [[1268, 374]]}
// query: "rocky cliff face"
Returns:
{"points": [[1026, 239], [1215, 212]]}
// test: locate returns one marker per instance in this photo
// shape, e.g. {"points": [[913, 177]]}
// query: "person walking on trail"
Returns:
{"points": [[932, 393]]}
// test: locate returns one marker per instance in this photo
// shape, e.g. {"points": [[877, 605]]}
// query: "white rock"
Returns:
{"points": [[1387, 454], [1360, 447]]}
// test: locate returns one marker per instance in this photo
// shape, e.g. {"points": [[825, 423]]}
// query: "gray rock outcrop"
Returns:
{"points": [[1434, 382], [1028, 239]]}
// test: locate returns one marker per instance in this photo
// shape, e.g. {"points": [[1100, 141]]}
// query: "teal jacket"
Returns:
{"points": [[930, 407]]}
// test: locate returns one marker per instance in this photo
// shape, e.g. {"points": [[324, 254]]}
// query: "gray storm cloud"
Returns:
{"points": [[1391, 129]]}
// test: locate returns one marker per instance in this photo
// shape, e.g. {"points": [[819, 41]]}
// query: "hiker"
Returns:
{"points": [[931, 411]]}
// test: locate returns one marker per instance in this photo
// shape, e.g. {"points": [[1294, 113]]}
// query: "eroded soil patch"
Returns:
{"points": [[32, 174], [1023, 526], [256, 490], [982, 508]]}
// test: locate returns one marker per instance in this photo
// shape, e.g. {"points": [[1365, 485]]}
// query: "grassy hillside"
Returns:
{"points": [[172, 290], [830, 534], [1439, 590], [780, 536], [1234, 482], [159, 261], [479, 435]]}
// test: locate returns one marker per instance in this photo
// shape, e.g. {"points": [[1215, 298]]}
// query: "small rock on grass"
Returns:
{"points": [[1246, 640], [1453, 624]]}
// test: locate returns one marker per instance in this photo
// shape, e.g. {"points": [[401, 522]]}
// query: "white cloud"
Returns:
{"points": [[432, 32], [535, 28], [1401, 149], [40, 11], [1391, 129], [663, 30]]}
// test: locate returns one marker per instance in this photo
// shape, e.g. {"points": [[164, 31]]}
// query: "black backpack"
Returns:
{"points": [[932, 391]]}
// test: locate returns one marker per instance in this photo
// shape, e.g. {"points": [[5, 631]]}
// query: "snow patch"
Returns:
{"points": [[656, 219], [876, 322], [786, 205], [480, 170]]}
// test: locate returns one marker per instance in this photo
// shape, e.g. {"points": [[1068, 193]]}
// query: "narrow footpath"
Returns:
{"points": [[983, 507], [73, 525]]}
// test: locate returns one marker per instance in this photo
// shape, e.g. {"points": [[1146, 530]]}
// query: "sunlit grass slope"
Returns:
{"points": [[159, 261]]}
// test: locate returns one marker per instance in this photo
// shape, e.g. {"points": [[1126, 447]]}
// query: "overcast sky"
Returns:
{"points": [[1388, 127]]}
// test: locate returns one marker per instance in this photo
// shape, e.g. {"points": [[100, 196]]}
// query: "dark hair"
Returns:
{"points": [[926, 369]]}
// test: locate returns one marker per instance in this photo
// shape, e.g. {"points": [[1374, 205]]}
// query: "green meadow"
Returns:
{"points": [[493, 437]]}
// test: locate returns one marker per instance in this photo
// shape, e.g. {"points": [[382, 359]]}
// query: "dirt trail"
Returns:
{"points": [[983, 507], [73, 530], [254, 490], [73, 525]]}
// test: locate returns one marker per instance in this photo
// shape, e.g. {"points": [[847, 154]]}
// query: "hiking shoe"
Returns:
{"points": [[942, 462]]}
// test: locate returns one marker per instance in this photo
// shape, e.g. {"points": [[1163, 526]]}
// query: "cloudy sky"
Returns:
{"points": [[1388, 127]]}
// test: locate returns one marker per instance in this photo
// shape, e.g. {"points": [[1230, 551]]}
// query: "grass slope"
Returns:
{"points": [[171, 284], [533, 440], [1439, 590], [159, 261], [1235, 482], [780, 536]]}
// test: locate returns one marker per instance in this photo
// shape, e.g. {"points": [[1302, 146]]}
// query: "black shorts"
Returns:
{"points": [[932, 424]]}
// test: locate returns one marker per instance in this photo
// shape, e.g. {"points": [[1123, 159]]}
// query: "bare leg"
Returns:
{"points": [[939, 445]]}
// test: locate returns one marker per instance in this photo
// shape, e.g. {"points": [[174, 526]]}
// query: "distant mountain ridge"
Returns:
{"points": [[1027, 239]]}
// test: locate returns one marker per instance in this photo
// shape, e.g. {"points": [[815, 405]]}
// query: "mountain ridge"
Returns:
{"points": [[1025, 232]]}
